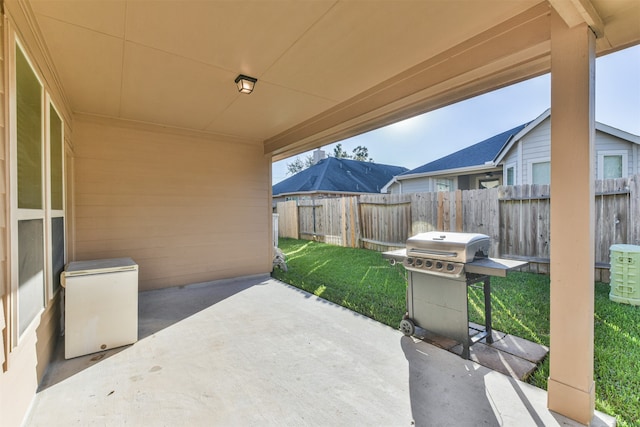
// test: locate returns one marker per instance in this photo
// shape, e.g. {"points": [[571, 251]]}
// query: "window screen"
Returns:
{"points": [[30, 271], [612, 167], [444, 184], [511, 176], [55, 142], [541, 173], [29, 133]]}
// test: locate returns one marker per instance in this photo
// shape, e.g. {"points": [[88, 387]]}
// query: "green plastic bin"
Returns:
{"points": [[625, 274]]}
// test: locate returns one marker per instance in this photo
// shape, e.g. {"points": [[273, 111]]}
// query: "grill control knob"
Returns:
{"points": [[418, 262], [439, 265], [428, 264], [450, 267]]}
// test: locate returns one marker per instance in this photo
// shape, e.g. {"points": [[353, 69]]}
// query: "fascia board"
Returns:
{"points": [[385, 187], [518, 136], [618, 133], [458, 171]]}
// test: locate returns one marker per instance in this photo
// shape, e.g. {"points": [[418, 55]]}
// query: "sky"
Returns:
{"points": [[427, 137]]}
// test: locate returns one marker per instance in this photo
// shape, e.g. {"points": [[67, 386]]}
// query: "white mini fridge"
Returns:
{"points": [[101, 305]]}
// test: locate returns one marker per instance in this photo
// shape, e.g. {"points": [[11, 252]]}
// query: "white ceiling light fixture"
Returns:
{"points": [[245, 83]]}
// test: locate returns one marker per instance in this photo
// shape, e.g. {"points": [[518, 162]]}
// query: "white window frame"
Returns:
{"points": [[534, 162], [51, 213], [624, 154], [505, 179], [45, 214]]}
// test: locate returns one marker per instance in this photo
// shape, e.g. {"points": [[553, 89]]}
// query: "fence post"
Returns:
{"points": [[440, 225], [634, 210], [459, 217], [354, 221], [313, 213], [348, 222], [494, 220]]}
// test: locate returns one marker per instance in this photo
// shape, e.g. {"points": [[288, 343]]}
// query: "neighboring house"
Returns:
{"points": [[518, 156], [333, 177]]}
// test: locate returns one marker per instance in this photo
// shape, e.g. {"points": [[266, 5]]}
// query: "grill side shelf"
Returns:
{"points": [[493, 266], [398, 255]]}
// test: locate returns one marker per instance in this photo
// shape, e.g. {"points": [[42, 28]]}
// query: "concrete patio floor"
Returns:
{"points": [[257, 352]]}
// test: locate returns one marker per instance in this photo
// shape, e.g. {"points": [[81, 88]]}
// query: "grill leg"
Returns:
{"points": [[487, 309], [465, 351]]}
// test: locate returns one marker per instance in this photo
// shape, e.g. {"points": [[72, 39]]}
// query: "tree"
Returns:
{"points": [[361, 154], [297, 165], [339, 153]]}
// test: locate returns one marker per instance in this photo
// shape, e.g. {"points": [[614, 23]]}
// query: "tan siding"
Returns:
{"points": [[29, 362], [48, 332], [27, 359], [4, 242], [186, 208], [4, 190]]}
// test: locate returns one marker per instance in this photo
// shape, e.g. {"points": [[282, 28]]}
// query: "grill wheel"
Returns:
{"points": [[407, 327]]}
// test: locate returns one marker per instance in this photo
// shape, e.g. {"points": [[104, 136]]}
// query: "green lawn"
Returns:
{"points": [[364, 282]]}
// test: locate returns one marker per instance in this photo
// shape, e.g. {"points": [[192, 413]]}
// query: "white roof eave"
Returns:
{"points": [[457, 171]]}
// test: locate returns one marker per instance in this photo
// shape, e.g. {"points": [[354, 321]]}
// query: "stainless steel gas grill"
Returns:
{"points": [[440, 266]]}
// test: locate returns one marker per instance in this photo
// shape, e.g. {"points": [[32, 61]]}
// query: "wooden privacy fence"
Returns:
{"points": [[515, 217], [334, 221]]}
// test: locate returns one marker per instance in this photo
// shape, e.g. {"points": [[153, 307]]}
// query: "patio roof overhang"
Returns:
{"points": [[331, 69], [326, 70]]}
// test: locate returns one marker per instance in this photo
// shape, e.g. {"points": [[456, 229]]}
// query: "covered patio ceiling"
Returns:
{"points": [[326, 69]]}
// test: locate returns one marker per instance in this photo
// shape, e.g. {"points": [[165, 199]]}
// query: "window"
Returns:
{"points": [[29, 150], [510, 175], [612, 167], [31, 296], [444, 184], [612, 164], [38, 205], [541, 172], [56, 196]]}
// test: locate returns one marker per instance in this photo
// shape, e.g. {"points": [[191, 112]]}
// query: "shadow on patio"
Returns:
{"points": [[258, 352]]}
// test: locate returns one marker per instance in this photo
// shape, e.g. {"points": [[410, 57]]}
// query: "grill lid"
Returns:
{"points": [[449, 246]]}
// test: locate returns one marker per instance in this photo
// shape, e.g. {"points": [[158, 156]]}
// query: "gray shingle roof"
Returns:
{"points": [[339, 175], [475, 155]]}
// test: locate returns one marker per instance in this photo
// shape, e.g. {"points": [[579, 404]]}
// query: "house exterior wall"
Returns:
{"points": [[427, 184], [535, 147], [394, 188], [187, 208], [182, 205], [614, 145], [23, 358], [532, 148], [415, 185], [513, 159]]}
